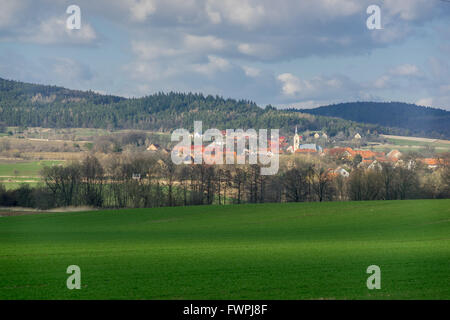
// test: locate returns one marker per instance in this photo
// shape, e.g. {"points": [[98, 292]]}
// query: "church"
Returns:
{"points": [[297, 147], [297, 139]]}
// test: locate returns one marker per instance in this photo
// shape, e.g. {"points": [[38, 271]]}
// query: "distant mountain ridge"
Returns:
{"points": [[417, 120]]}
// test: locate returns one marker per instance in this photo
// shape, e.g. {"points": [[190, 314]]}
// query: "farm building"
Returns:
{"points": [[153, 147]]}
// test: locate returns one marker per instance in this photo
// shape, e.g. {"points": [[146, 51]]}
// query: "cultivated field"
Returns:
{"points": [[416, 139], [408, 144], [268, 251], [15, 172]]}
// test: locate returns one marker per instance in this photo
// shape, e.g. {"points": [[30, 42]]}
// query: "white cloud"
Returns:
{"points": [[246, 48], [244, 13], [426, 102], [405, 70], [258, 50], [214, 16], [408, 9], [54, 31], [316, 87], [251, 72], [141, 9], [263, 29], [382, 82], [190, 47], [150, 51], [252, 14], [203, 43], [214, 65], [9, 11], [405, 73], [292, 84]]}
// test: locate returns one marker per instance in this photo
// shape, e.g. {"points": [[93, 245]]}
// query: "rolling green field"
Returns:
{"points": [[267, 251]]}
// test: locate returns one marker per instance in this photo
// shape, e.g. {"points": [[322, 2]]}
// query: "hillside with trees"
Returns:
{"points": [[419, 121], [32, 105]]}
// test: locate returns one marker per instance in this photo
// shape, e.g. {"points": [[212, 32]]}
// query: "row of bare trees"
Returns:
{"points": [[154, 181]]}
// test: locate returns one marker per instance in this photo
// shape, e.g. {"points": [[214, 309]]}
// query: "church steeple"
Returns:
{"points": [[296, 145]]}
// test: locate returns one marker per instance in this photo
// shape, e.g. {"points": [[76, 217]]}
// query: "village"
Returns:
{"points": [[307, 166], [312, 146]]}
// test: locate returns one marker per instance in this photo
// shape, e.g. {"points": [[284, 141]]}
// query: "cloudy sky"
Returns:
{"points": [[300, 53]]}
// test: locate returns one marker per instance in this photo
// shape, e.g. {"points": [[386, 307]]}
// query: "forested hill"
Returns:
{"points": [[30, 105], [23, 104], [422, 121]]}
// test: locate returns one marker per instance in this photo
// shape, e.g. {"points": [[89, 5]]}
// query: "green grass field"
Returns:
{"points": [[439, 146], [25, 168], [14, 173], [16, 185], [268, 251]]}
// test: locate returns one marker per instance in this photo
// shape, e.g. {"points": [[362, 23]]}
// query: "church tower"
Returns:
{"points": [[296, 140]]}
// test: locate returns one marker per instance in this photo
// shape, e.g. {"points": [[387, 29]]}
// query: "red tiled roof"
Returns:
{"points": [[305, 150], [366, 154], [431, 161], [338, 150]]}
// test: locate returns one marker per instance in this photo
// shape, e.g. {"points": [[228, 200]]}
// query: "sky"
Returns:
{"points": [[302, 53]]}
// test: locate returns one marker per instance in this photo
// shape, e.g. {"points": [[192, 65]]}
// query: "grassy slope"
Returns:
{"points": [[270, 251]]}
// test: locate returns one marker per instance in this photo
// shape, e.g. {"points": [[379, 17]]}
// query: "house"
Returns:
{"points": [[381, 159], [310, 146], [342, 172], [367, 154], [432, 163], [331, 174], [341, 153], [394, 155], [375, 165], [153, 147]]}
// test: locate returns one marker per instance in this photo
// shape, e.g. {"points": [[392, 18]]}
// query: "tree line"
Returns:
{"points": [[153, 181]]}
